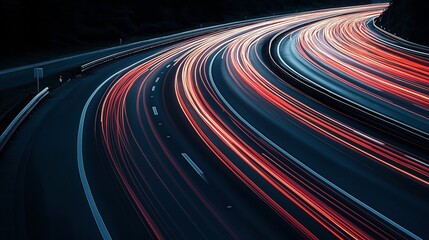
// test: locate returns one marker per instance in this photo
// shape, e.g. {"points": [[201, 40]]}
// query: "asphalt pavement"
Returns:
{"points": [[206, 138]]}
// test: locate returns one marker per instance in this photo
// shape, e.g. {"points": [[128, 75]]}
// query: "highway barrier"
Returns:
{"points": [[389, 125], [170, 39], [87, 66], [22, 115]]}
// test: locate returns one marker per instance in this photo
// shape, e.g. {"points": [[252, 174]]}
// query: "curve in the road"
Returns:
{"points": [[164, 122], [348, 60]]}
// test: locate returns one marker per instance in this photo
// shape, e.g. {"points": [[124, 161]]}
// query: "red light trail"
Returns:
{"points": [[206, 71]]}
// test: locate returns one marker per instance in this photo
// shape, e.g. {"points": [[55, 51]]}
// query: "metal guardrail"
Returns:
{"points": [[8, 132], [111, 57], [174, 38], [411, 46], [393, 127], [87, 66]]}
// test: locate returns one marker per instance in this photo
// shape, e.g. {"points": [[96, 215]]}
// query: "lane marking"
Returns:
{"points": [[155, 111], [153, 88], [349, 102], [194, 166], [89, 197], [304, 166], [80, 161], [157, 79], [168, 65]]}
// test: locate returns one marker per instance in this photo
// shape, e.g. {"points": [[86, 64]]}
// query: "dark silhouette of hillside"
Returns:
{"points": [[408, 19], [32, 27]]}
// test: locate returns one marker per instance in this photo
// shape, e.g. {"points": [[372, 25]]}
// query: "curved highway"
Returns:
{"points": [[237, 134], [373, 74]]}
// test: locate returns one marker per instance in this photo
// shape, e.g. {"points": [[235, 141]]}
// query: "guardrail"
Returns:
{"points": [[411, 47], [178, 37], [391, 126], [171, 39], [85, 67], [8, 132]]}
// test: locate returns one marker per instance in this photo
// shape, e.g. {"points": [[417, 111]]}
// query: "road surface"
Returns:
{"points": [[218, 136]]}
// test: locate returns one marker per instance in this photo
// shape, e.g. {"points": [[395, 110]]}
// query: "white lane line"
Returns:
{"points": [[194, 166], [155, 111], [349, 102], [90, 199], [157, 79], [153, 89], [80, 161], [168, 65], [305, 167]]}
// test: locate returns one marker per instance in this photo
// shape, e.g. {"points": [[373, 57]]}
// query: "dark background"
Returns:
{"points": [[408, 19], [35, 30]]}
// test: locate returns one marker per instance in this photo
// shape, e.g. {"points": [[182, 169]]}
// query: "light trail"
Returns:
{"points": [[352, 60], [150, 167]]}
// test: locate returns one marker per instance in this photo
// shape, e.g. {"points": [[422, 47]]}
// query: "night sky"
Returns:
{"points": [[62, 26]]}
